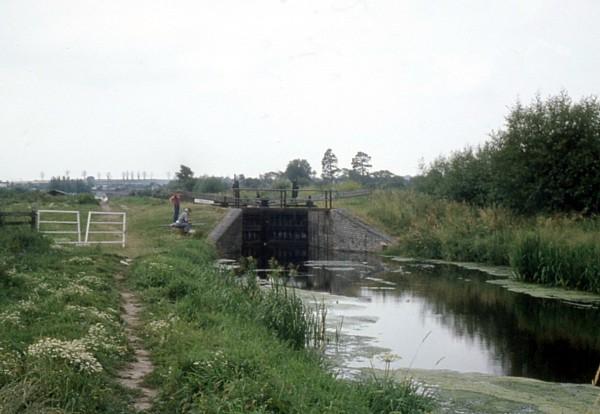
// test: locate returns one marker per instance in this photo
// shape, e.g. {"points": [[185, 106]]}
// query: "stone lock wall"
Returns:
{"points": [[328, 230], [227, 235], [340, 230]]}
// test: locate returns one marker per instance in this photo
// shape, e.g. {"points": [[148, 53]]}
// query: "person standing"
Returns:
{"points": [[236, 191], [176, 202], [295, 188]]}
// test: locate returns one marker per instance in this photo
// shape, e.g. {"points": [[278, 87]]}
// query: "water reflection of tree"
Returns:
{"points": [[537, 338]]}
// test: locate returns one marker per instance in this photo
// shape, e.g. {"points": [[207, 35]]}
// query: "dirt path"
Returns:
{"points": [[132, 376]]}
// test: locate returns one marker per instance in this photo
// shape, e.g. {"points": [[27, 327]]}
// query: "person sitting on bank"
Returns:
{"points": [[183, 222], [309, 202]]}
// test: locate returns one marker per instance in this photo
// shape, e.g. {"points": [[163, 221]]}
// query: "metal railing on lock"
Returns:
{"points": [[122, 223], [61, 213]]}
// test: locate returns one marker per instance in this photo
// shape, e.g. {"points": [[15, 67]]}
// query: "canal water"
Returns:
{"points": [[439, 316]]}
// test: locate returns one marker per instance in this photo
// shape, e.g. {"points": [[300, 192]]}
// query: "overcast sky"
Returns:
{"points": [[245, 86]]}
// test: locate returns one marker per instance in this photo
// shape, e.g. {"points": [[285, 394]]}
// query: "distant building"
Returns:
{"points": [[4, 184]]}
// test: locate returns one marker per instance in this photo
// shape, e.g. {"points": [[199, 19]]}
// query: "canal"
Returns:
{"points": [[438, 316]]}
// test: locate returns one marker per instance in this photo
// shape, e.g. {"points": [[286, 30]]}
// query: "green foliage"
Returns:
{"points": [[546, 159], [61, 339], [209, 184], [558, 261], [86, 198], [12, 196], [22, 240], [560, 251], [384, 179], [185, 178], [329, 166], [299, 170], [284, 313], [361, 163], [348, 185], [550, 155], [464, 176], [68, 185], [386, 395]]}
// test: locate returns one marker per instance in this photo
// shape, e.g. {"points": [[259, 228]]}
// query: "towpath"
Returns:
{"points": [[132, 376]]}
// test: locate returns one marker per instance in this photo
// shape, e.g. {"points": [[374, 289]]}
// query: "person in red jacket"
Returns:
{"points": [[175, 200]]}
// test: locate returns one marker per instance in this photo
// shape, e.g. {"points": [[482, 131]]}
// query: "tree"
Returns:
{"points": [[385, 179], [185, 177], [299, 170], [546, 159], [208, 184], [69, 186], [361, 163], [329, 166]]}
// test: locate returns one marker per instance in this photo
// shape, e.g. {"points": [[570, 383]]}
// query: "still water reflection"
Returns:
{"points": [[468, 325]]}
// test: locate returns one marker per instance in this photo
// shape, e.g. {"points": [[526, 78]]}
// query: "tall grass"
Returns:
{"points": [[560, 261], [221, 343], [556, 250]]}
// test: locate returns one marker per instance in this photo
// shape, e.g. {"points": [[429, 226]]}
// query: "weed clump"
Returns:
{"points": [[22, 241], [557, 261]]}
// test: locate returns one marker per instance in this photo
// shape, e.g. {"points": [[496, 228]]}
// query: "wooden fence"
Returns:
{"points": [[14, 218]]}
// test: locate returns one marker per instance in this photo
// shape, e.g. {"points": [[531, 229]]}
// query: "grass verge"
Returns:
{"points": [[555, 250], [61, 340], [223, 345]]}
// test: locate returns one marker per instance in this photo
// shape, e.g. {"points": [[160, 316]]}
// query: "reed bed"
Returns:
{"points": [[561, 251]]}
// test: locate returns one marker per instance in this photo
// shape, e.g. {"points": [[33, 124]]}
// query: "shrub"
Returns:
{"points": [[283, 312], [21, 240]]}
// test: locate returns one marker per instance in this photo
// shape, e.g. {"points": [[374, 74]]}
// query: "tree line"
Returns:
{"points": [[545, 159], [299, 171]]}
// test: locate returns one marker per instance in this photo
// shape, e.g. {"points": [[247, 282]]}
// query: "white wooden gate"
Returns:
{"points": [[112, 222], [54, 224]]}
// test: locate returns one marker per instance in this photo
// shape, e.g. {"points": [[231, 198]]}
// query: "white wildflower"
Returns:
{"points": [[92, 281], [10, 318], [90, 310], [160, 266], [158, 327], [98, 339], [26, 305], [9, 362], [81, 260], [73, 352], [75, 289]]}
